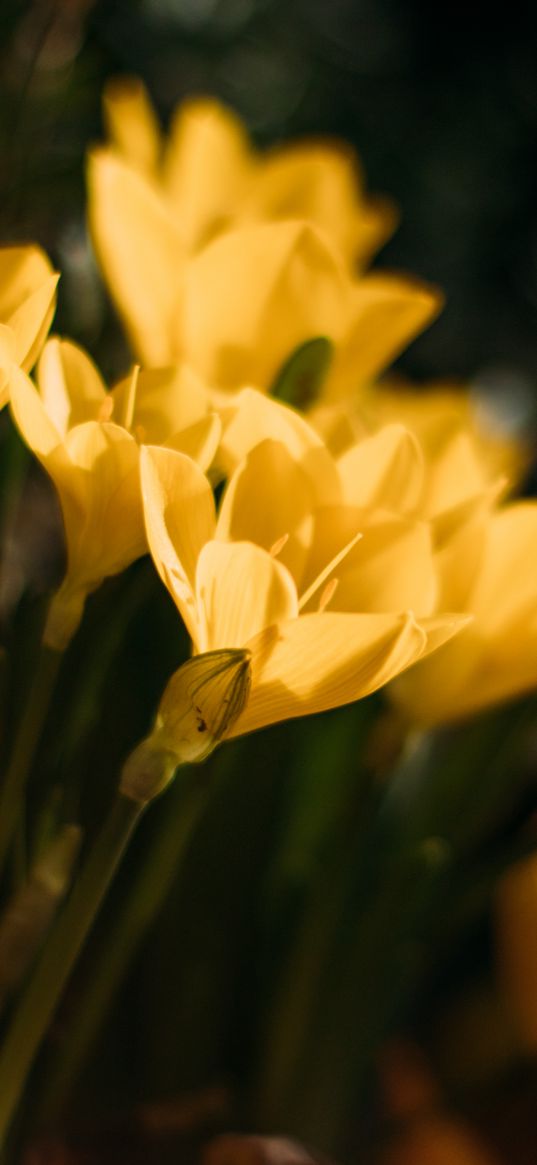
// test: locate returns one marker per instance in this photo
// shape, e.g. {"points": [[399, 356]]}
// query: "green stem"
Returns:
{"points": [[45, 987], [146, 894], [27, 737]]}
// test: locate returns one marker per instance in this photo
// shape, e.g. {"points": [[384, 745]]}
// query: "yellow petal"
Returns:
{"points": [[31, 321], [253, 418], [22, 270], [470, 673], [269, 497], [240, 589], [455, 474], [385, 470], [27, 299], [322, 182], [167, 401], [199, 441], [460, 536], [131, 123], [180, 518], [339, 426], [390, 569], [31, 417], [316, 181], [42, 437], [207, 161], [320, 661], [253, 295], [141, 255], [71, 387], [105, 460], [506, 589], [375, 223], [387, 313], [439, 629]]}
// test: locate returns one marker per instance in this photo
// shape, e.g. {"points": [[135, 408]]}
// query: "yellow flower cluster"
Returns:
{"points": [[356, 535]]}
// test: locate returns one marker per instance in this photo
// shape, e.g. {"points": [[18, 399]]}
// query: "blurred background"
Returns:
{"points": [[441, 105]]}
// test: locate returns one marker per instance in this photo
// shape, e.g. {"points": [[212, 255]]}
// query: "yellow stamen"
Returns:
{"points": [[328, 593], [278, 545], [324, 575], [130, 400]]}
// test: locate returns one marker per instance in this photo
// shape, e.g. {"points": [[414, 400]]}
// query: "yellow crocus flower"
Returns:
{"points": [[440, 475], [439, 412], [239, 308], [253, 579], [27, 302], [88, 441], [209, 176], [463, 455], [487, 569]]}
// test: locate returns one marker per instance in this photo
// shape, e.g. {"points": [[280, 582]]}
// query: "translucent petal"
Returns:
{"points": [[506, 587], [141, 254], [253, 295], [385, 470], [387, 312], [390, 569], [268, 497], [240, 590], [167, 401], [131, 122], [105, 462], [180, 518], [31, 321], [71, 388], [253, 418], [206, 163]]}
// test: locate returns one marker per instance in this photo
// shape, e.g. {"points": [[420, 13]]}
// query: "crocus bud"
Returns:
{"points": [[200, 705]]}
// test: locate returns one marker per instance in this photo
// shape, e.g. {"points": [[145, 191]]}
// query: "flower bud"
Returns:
{"points": [[200, 705], [202, 701]]}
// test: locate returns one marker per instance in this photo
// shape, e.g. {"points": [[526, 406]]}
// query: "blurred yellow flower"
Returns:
{"points": [[88, 441], [439, 413], [431, 461], [465, 446], [27, 302], [209, 176], [262, 574], [239, 308], [486, 568]]}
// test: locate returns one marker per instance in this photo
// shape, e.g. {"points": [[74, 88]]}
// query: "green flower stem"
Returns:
{"points": [[52, 971], [27, 738], [145, 896]]}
